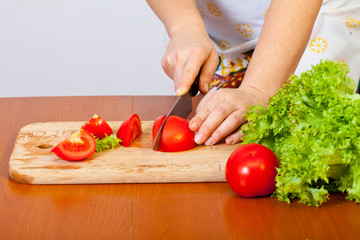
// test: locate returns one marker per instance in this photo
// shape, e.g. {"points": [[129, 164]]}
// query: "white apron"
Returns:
{"points": [[235, 26]]}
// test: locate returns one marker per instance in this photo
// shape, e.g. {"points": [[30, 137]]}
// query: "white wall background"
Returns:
{"points": [[81, 47]]}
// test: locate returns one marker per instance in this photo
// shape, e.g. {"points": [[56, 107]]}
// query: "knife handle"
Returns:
{"points": [[194, 89]]}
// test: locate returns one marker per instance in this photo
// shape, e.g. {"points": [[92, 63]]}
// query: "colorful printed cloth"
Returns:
{"points": [[230, 73], [235, 26]]}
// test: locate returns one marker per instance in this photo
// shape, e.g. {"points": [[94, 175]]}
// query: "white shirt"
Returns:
{"points": [[235, 26]]}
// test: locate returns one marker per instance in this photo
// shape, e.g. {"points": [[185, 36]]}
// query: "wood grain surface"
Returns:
{"points": [[32, 162], [150, 210]]}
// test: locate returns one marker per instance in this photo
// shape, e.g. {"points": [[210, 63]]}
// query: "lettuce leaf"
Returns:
{"points": [[108, 142], [313, 125]]}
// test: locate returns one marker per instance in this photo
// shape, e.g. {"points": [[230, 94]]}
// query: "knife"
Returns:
{"points": [[182, 108]]}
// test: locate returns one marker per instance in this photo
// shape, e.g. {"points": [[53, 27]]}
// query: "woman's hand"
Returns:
{"points": [[278, 51], [190, 50], [221, 113], [275, 58]]}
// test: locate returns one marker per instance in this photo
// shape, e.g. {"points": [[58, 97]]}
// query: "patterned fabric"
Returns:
{"points": [[234, 27], [335, 36], [230, 73]]}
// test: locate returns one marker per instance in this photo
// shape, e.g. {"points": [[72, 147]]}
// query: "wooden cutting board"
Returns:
{"points": [[32, 162]]}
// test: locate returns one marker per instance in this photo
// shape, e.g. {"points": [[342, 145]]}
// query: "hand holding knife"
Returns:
{"points": [[182, 108]]}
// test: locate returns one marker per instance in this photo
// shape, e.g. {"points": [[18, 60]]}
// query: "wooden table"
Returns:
{"points": [[145, 211]]}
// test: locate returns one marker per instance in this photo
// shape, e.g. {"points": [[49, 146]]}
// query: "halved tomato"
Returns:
{"points": [[98, 127], [157, 124], [77, 147], [129, 130], [176, 135]]}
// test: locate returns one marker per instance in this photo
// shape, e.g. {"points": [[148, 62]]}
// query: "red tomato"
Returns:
{"points": [[251, 170], [98, 127], [129, 130], [77, 147], [176, 135], [157, 124]]}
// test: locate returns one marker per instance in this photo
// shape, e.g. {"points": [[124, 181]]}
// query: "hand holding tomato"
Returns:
{"points": [[176, 135], [251, 170]]}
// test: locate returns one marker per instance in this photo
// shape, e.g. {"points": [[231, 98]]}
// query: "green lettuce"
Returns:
{"points": [[313, 125], [108, 142]]}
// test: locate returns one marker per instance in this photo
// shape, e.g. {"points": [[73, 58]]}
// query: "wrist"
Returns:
{"points": [[258, 95], [265, 78], [189, 25]]}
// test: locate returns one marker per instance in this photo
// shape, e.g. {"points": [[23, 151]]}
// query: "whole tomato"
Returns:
{"points": [[176, 135], [251, 170]]}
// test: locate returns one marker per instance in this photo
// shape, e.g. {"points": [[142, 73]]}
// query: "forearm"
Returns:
{"points": [[190, 48], [283, 39], [177, 15]]}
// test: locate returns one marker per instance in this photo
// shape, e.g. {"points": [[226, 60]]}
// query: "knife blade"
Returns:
{"points": [[182, 108]]}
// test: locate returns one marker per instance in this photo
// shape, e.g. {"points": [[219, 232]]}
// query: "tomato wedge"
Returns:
{"points": [[129, 130], [77, 147], [98, 127], [176, 135]]}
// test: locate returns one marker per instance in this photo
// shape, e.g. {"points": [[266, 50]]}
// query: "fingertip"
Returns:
{"points": [[230, 140], [234, 138], [210, 141], [205, 87], [199, 138], [180, 91], [194, 126]]}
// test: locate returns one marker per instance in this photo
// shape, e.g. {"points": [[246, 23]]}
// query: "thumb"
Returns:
{"points": [[185, 77], [207, 72]]}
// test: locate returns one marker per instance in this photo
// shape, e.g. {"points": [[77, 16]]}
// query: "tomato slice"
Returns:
{"points": [[98, 127], [77, 147], [129, 130], [176, 135]]}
